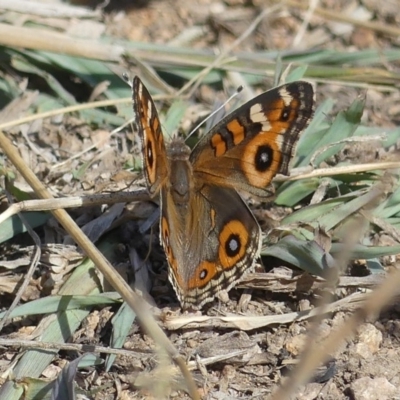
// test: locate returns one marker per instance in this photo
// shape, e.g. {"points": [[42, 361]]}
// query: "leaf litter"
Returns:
{"points": [[243, 347]]}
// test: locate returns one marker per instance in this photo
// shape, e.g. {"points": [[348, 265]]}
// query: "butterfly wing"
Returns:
{"points": [[155, 162], [212, 246], [209, 235], [246, 149]]}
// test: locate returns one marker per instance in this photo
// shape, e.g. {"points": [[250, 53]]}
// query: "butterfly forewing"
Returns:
{"points": [[255, 142], [155, 162]]}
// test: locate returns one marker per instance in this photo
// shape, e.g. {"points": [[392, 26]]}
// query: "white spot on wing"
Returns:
{"points": [[149, 109], [233, 245], [286, 96], [257, 116], [280, 139]]}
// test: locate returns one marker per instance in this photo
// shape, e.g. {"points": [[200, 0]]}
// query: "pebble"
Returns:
{"points": [[373, 389]]}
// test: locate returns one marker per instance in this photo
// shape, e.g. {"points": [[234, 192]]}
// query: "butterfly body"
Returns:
{"points": [[210, 237]]}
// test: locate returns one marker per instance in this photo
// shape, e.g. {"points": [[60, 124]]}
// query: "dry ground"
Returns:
{"points": [[367, 366]]}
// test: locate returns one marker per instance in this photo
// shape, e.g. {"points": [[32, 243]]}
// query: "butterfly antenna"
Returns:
{"points": [[238, 90]]}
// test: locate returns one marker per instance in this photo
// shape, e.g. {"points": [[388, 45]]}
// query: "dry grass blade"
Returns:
{"points": [[70, 109], [52, 204], [70, 202], [248, 323], [195, 81], [346, 169], [190, 63], [18, 36], [135, 302], [341, 17], [47, 10], [306, 21], [32, 344], [374, 303]]}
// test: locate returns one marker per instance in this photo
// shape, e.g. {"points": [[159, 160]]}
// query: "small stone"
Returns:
{"points": [[295, 345], [229, 372], [309, 392], [331, 391], [304, 305], [369, 340], [192, 343], [373, 389]]}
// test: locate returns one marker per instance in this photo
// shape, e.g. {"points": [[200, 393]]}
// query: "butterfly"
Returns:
{"points": [[210, 237]]}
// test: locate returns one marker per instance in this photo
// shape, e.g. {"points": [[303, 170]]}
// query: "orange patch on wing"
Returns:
{"points": [[168, 250], [237, 131], [205, 272], [156, 124], [274, 115], [255, 177], [150, 169], [218, 144], [160, 142], [231, 231]]}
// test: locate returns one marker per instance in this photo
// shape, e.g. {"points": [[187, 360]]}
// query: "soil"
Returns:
{"points": [[366, 366]]}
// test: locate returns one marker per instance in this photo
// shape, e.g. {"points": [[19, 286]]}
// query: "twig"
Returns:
{"points": [[70, 202], [34, 344]]}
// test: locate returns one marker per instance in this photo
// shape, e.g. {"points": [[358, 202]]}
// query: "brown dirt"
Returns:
{"points": [[368, 362]]}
